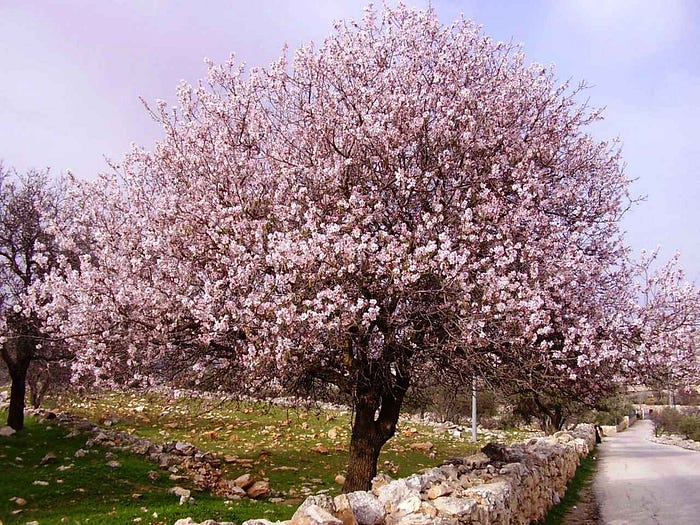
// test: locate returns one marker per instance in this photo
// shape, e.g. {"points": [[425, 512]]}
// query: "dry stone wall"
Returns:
{"points": [[178, 460], [501, 485]]}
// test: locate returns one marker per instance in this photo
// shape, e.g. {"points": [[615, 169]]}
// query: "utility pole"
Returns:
{"points": [[671, 393], [474, 409]]}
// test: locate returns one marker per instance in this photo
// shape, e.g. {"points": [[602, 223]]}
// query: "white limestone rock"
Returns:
{"points": [[362, 507], [454, 507]]}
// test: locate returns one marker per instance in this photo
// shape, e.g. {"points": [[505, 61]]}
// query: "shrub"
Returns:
{"points": [[689, 426], [667, 420]]}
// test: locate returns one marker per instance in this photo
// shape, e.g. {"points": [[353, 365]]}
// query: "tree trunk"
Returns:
{"points": [[18, 390], [369, 434], [365, 445]]}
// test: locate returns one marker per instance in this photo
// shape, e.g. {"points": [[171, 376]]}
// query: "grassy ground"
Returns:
{"points": [[81, 490], [298, 451]]}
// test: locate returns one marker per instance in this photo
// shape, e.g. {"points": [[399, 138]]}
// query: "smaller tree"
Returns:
{"points": [[663, 333], [28, 205]]}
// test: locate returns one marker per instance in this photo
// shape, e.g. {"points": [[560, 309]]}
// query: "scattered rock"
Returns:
{"points": [[183, 493], [339, 479], [319, 449], [244, 481], [50, 457], [7, 431], [425, 447], [190, 521], [259, 489], [114, 464], [185, 521], [235, 492]]}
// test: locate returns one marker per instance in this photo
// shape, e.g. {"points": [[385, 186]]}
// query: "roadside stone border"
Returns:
{"points": [[501, 485], [677, 441], [181, 460]]}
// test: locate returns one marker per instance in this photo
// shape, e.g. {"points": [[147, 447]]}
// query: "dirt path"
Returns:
{"points": [[643, 483], [586, 511]]}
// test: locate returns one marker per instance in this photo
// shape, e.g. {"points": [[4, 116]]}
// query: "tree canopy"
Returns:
{"points": [[405, 198]]}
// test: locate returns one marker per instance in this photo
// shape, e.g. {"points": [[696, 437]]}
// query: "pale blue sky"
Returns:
{"points": [[72, 72]]}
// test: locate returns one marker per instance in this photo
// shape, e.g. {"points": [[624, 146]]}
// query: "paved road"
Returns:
{"points": [[642, 483]]}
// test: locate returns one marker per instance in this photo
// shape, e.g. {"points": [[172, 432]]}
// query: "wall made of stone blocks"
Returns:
{"points": [[501, 485]]}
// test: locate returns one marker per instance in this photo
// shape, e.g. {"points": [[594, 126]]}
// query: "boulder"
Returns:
{"points": [[259, 489], [394, 493], [244, 481], [7, 431], [361, 508], [314, 515], [323, 501]]}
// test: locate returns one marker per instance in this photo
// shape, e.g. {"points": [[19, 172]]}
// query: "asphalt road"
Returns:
{"points": [[640, 482]]}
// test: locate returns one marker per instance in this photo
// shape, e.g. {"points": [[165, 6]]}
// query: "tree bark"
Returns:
{"points": [[18, 390], [376, 416], [365, 445]]}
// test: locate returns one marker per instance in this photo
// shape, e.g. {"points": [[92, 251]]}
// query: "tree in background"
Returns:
{"points": [[665, 332], [28, 205], [405, 197]]}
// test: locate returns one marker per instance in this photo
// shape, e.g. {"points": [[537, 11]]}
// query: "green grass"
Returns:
{"points": [[299, 451], [583, 477], [86, 490]]}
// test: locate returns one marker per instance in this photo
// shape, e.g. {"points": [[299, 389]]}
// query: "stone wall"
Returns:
{"points": [[178, 460], [513, 485], [502, 485]]}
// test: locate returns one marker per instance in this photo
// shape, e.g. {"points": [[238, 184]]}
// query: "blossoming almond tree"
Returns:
{"points": [[28, 204], [405, 196], [666, 330]]}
